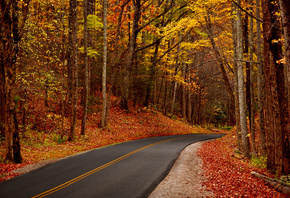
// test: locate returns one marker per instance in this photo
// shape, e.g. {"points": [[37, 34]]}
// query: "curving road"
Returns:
{"points": [[131, 169]]}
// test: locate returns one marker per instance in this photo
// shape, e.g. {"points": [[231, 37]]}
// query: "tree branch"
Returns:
{"points": [[260, 20]]}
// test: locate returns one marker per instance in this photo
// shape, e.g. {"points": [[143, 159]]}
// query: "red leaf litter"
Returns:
{"points": [[228, 176]]}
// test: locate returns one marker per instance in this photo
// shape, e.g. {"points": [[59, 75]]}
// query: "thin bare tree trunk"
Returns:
{"points": [[240, 71], [86, 75], [72, 65], [260, 81], [104, 76], [251, 45], [184, 93], [188, 92], [237, 109]]}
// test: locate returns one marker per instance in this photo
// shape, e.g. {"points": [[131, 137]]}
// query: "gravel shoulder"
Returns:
{"points": [[185, 177]]}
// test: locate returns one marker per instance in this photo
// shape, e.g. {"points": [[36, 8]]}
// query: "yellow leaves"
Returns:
{"points": [[94, 22], [181, 27], [198, 44], [282, 61]]}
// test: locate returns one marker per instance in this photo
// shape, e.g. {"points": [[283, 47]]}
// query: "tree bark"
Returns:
{"points": [[86, 69], [260, 81], [270, 89], [278, 111], [285, 13], [104, 76], [242, 102], [189, 107], [237, 109], [10, 36], [184, 92], [251, 57], [72, 65]]}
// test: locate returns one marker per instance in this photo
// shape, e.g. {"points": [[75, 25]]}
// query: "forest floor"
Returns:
{"points": [[224, 173]]}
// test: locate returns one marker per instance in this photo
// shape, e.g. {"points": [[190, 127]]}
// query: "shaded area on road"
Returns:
{"points": [[135, 175]]}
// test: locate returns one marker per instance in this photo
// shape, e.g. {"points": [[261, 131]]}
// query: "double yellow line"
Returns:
{"points": [[57, 188]]}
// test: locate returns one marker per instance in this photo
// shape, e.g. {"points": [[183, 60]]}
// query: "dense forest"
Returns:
{"points": [[209, 62]]}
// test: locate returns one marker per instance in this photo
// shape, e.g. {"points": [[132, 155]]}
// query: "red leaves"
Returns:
{"points": [[228, 176], [6, 170]]}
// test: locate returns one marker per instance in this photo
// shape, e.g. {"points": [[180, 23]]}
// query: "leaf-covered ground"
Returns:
{"points": [[228, 174], [139, 123]]}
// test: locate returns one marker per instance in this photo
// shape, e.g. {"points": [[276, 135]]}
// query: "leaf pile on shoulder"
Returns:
{"points": [[228, 175]]}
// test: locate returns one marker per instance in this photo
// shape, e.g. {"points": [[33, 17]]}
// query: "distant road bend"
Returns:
{"points": [[130, 169]]}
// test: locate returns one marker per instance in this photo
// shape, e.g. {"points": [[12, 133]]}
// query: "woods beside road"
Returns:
{"points": [[69, 68]]}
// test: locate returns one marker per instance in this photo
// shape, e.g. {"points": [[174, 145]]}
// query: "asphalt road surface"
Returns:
{"points": [[131, 169]]}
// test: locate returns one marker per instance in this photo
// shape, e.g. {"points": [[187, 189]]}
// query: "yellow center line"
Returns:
{"points": [[57, 188]]}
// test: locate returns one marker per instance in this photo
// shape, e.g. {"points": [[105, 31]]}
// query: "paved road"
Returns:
{"points": [[131, 169]]}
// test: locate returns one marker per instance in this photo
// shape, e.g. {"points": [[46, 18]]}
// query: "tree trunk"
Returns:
{"points": [[2, 99], [16, 141], [248, 77], [188, 92], [72, 65], [277, 105], [251, 56], [242, 102], [10, 37], [260, 82], [237, 109], [184, 92], [104, 77], [86, 69], [269, 91], [285, 13]]}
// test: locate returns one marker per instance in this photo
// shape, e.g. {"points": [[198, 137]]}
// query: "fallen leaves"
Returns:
{"points": [[228, 176]]}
